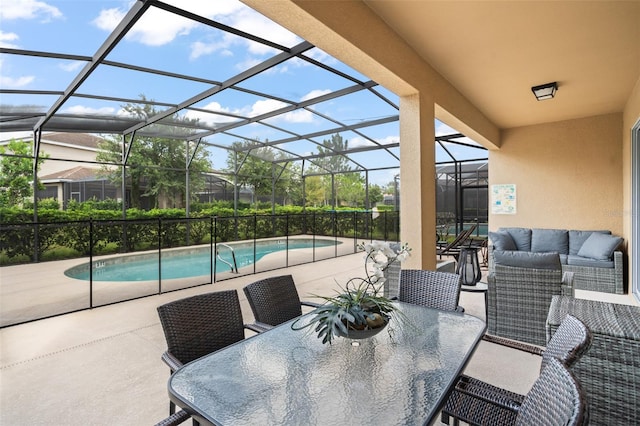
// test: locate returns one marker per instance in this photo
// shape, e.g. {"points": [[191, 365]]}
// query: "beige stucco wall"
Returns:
{"points": [[59, 151], [567, 174]]}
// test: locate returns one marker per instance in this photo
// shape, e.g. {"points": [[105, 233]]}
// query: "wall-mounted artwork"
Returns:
{"points": [[503, 199]]}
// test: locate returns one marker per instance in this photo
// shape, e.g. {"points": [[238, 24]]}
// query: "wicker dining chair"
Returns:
{"points": [[519, 294], [440, 290], [199, 325], [274, 300], [472, 400]]}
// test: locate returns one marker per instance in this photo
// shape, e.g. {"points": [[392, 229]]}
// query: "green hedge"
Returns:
{"points": [[81, 231]]}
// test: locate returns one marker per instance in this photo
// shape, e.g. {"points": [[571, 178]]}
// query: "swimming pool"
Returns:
{"points": [[188, 262]]}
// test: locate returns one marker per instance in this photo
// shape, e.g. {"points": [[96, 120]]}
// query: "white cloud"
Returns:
{"points": [[72, 66], [265, 106], [250, 21], [210, 9], [108, 19], [155, 28], [28, 9], [212, 119], [320, 56], [357, 141], [314, 94], [15, 83], [298, 116], [387, 140], [248, 63], [6, 38], [84, 110], [268, 105]]}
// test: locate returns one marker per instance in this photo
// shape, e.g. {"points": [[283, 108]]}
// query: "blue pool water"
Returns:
{"points": [[184, 263]]}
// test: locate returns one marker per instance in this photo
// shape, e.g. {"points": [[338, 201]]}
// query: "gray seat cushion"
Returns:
{"points": [[547, 240], [527, 259], [575, 260]]}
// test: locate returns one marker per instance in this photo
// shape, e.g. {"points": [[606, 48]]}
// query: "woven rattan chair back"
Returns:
{"points": [[440, 290], [198, 325], [519, 300], [568, 343], [274, 300], [556, 398]]}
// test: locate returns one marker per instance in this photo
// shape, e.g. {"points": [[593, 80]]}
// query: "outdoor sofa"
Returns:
{"points": [[593, 256]]}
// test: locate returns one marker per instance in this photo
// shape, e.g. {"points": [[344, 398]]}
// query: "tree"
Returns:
{"points": [[314, 191], [156, 166], [332, 161], [16, 171], [351, 189], [376, 195], [330, 149], [257, 167]]}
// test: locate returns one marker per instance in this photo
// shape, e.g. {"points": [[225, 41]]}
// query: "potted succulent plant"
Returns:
{"points": [[359, 310]]}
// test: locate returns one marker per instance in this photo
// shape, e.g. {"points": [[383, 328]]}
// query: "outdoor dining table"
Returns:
{"points": [[401, 376]]}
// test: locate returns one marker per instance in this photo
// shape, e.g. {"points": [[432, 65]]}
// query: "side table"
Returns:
{"points": [[479, 287]]}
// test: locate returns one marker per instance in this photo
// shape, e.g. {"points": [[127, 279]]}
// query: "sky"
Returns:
{"points": [[174, 44]]}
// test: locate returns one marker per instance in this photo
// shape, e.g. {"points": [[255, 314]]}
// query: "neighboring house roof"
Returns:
{"points": [[79, 139], [75, 174]]}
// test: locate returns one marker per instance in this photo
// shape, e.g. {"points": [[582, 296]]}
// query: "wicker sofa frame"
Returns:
{"points": [[609, 371], [607, 280]]}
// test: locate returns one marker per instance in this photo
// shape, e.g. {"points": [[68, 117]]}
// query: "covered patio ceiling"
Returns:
{"points": [[231, 75]]}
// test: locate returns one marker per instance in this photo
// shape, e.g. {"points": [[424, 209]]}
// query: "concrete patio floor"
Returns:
{"points": [[103, 367]]}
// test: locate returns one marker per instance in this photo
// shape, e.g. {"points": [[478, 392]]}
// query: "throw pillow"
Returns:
{"points": [[599, 246], [521, 236], [527, 259], [577, 239], [546, 240], [502, 241]]}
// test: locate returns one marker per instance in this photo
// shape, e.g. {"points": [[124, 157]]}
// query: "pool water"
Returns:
{"points": [[188, 262]]}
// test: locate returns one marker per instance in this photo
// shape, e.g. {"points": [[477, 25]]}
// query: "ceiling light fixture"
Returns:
{"points": [[545, 91]]}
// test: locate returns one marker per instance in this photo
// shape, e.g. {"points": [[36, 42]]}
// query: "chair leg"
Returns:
{"points": [[444, 418], [172, 407]]}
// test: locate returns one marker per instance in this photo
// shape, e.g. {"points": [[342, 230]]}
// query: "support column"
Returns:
{"points": [[417, 177]]}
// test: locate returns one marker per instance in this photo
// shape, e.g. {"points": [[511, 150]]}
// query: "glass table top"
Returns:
{"points": [[288, 377]]}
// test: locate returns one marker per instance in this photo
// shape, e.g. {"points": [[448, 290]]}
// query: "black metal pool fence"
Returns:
{"points": [[33, 287]]}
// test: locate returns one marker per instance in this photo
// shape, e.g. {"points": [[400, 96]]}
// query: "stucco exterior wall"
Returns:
{"points": [[58, 151], [567, 174]]}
